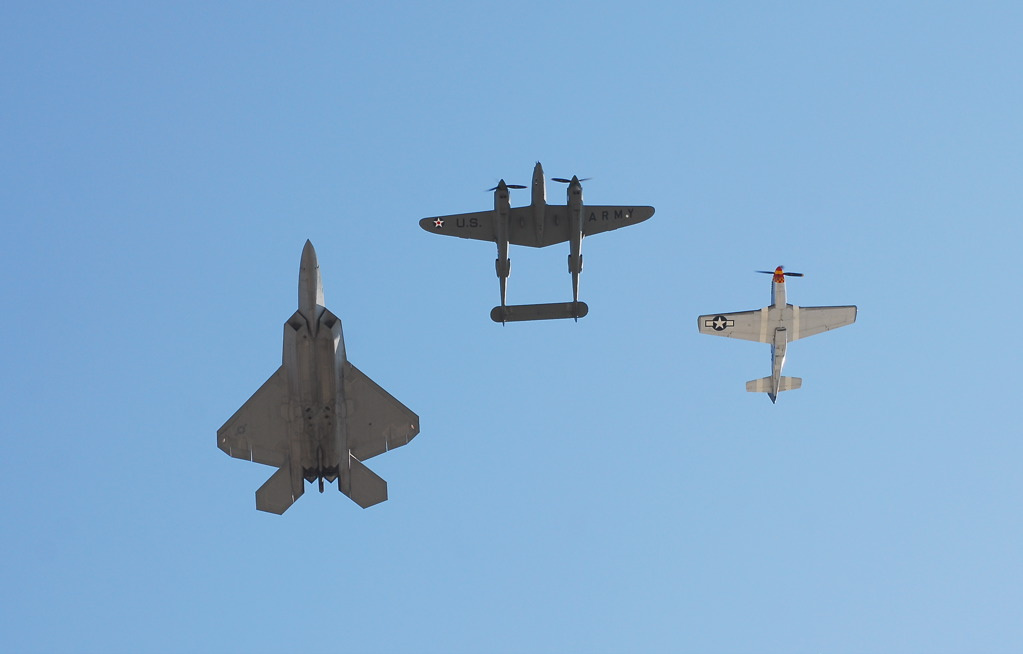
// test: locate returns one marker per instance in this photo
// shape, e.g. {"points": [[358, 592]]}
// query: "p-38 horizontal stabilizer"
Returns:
{"points": [[551, 311]]}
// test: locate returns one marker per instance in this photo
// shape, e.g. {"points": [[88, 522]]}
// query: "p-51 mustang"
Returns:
{"points": [[537, 225], [779, 324]]}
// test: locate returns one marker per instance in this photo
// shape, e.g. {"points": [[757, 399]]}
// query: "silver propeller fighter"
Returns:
{"points": [[318, 417], [778, 324], [538, 225]]}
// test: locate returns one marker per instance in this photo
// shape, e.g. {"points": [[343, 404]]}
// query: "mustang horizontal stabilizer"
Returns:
{"points": [[763, 385]]}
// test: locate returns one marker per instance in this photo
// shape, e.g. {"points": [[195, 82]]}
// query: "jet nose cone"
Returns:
{"points": [[310, 288], [308, 253]]}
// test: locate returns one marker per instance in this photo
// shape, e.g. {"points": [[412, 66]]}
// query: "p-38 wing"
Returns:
{"points": [[758, 325], [522, 230]]}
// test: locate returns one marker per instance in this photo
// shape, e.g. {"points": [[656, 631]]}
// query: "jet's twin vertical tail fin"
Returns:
{"points": [[276, 494], [763, 385], [364, 486]]}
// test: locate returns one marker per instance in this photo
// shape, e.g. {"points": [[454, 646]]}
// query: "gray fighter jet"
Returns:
{"points": [[779, 324], [318, 417], [537, 225]]}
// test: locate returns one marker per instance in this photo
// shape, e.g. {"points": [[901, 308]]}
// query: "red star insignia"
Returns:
{"points": [[438, 223]]}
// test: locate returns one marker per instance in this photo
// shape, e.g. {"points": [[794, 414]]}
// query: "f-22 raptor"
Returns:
{"points": [[538, 225], [778, 324], [318, 417]]}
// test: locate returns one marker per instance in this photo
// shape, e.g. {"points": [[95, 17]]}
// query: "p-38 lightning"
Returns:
{"points": [[538, 225], [318, 417], [778, 324]]}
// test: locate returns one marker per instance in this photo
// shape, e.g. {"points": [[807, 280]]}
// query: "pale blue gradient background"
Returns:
{"points": [[600, 486]]}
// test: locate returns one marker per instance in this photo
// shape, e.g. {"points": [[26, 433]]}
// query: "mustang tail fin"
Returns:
{"points": [[363, 485], [763, 385]]}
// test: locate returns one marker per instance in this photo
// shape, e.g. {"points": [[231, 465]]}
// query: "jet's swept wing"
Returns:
{"points": [[747, 325], [258, 431], [376, 421], [810, 321]]}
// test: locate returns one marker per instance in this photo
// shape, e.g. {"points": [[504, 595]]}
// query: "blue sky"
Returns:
{"points": [[600, 486]]}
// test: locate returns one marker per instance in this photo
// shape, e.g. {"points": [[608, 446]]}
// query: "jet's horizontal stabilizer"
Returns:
{"points": [[363, 485], [275, 495], [551, 311], [763, 385]]}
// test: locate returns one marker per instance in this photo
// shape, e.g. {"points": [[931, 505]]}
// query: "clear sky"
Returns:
{"points": [[600, 486]]}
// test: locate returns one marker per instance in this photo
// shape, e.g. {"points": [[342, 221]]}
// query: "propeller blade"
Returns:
{"points": [[787, 274], [508, 186], [568, 181]]}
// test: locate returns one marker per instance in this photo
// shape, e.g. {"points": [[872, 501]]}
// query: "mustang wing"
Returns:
{"points": [[810, 321], [376, 421], [258, 431], [743, 324]]}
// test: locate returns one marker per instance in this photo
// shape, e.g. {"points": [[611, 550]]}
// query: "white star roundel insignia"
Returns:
{"points": [[438, 223], [719, 323]]}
